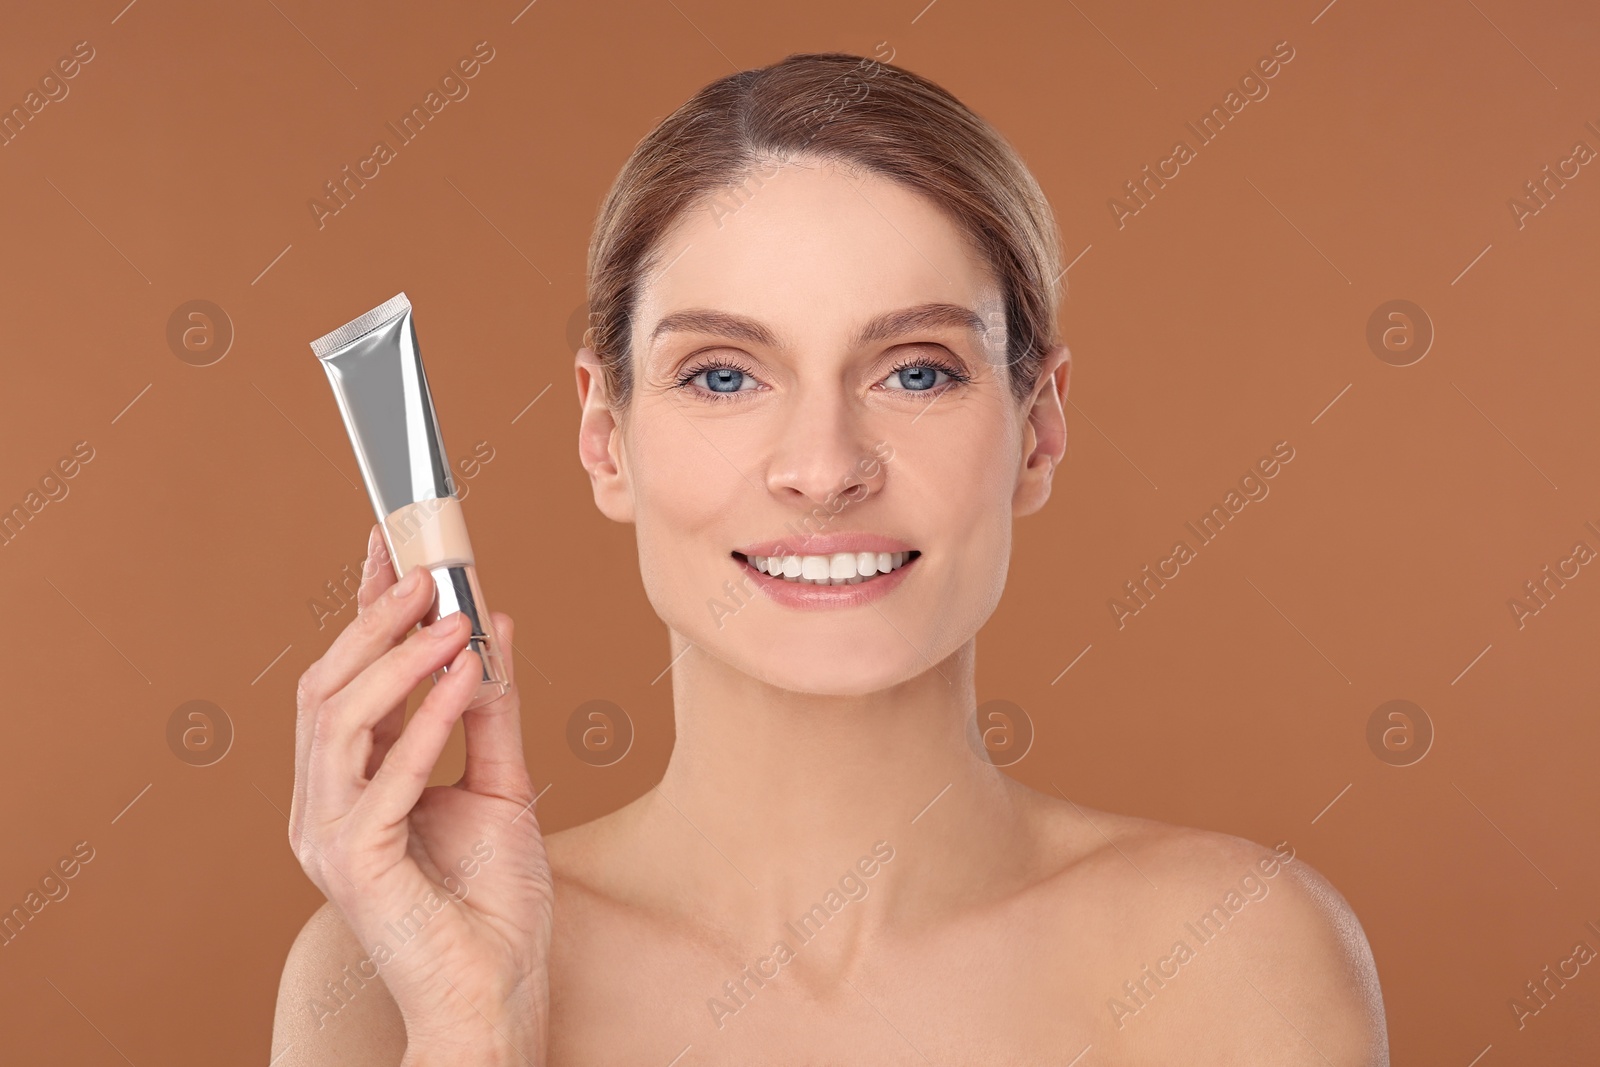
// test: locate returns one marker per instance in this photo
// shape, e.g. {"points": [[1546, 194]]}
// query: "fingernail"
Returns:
{"points": [[405, 585], [444, 624], [372, 542]]}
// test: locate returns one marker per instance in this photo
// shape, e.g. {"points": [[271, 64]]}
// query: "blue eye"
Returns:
{"points": [[723, 379], [918, 378], [921, 375]]}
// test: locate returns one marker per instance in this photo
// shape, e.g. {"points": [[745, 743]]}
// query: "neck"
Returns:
{"points": [[771, 796]]}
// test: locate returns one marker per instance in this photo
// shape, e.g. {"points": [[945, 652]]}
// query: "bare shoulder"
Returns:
{"points": [[587, 861], [332, 1006], [604, 910], [1216, 935]]}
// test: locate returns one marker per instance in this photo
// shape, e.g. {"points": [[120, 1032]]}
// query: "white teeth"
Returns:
{"points": [[840, 568]]}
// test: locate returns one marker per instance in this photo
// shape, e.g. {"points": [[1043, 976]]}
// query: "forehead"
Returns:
{"points": [[814, 251]]}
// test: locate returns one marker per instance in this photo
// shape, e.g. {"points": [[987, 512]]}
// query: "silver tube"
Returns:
{"points": [[376, 370]]}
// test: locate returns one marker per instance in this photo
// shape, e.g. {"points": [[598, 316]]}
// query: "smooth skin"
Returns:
{"points": [[1003, 924]]}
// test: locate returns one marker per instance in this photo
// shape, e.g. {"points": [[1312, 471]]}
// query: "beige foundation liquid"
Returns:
{"points": [[428, 533]]}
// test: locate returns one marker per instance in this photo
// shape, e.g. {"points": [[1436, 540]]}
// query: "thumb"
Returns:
{"points": [[495, 762]]}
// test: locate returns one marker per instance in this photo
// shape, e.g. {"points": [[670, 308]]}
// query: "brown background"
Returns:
{"points": [[1226, 316]]}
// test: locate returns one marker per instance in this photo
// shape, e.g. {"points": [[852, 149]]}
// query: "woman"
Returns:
{"points": [[823, 383]]}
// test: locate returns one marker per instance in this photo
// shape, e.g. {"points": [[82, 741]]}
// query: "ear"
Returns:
{"points": [[600, 440], [1044, 435]]}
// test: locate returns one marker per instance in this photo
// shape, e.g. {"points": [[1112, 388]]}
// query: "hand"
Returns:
{"points": [[446, 887]]}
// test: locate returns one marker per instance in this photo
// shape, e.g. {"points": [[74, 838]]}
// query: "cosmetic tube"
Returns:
{"points": [[376, 371]]}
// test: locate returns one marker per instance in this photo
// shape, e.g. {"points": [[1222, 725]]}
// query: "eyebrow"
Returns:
{"points": [[889, 324]]}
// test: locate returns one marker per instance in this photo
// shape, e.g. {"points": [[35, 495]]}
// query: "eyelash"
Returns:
{"points": [[685, 379]]}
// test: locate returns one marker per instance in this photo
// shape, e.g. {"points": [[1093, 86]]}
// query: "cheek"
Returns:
{"points": [[962, 476], [682, 478], [685, 493], [954, 489]]}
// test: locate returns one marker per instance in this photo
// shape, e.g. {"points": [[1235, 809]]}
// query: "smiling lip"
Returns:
{"points": [[806, 596]]}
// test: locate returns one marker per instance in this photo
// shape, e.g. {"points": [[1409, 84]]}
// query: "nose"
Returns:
{"points": [[822, 453]]}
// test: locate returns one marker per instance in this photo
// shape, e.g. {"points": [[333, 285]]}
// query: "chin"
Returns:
{"points": [[856, 652]]}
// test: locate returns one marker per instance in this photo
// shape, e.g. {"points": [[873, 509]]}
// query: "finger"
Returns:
{"points": [[372, 576], [377, 573], [342, 744], [384, 733], [383, 736], [377, 576], [405, 771], [308, 697], [382, 626], [495, 761]]}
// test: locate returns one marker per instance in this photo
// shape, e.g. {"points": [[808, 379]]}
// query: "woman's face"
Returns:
{"points": [[769, 417]]}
